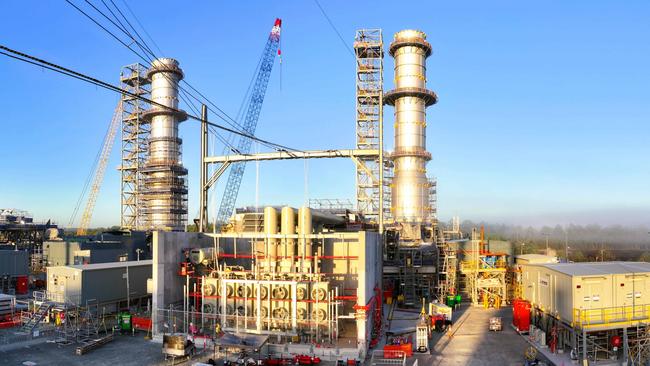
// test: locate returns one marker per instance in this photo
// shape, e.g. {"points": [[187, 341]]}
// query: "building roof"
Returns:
{"points": [[598, 268], [87, 267], [536, 258]]}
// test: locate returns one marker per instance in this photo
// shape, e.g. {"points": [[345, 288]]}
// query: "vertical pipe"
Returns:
{"points": [[202, 299], [271, 228], [184, 309], [288, 227], [203, 214], [304, 230]]}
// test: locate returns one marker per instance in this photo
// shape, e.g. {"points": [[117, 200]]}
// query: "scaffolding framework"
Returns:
{"points": [[447, 268], [485, 275], [369, 52], [135, 133]]}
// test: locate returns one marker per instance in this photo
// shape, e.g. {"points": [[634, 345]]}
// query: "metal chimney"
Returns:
{"points": [[164, 187], [410, 187]]}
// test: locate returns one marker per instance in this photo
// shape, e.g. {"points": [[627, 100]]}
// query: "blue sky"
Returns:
{"points": [[542, 117]]}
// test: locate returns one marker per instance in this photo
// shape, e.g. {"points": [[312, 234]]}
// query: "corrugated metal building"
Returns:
{"points": [[593, 294], [14, 263], [103, 282]]}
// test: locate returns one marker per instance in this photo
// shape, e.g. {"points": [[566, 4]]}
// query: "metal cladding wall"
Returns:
{"points": [[549, 290], [560, 288], [104, 283], [14, 263], [107, 247]]}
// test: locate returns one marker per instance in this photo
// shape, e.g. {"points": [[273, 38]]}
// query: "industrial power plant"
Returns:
{"points": [[374, 280]]}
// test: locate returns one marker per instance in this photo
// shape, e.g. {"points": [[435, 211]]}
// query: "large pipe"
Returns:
{"points": [[410, 188], [304, 229], [288, 227], [271, 227], [165, 191]]}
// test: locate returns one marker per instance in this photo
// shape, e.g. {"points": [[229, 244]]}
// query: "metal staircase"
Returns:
{"points": [[30, 322]]}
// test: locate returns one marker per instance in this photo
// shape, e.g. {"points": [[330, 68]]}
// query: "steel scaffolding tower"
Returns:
{"points": [[135, 132], [369, 51]]}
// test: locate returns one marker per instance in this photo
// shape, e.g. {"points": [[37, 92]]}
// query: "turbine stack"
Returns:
{"points": [[410, 204], [164, 185]]}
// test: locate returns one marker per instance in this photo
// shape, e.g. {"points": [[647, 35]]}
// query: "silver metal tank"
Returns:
{"points": [[410, 188], [271, 228], [288, 247], [164, 186]]}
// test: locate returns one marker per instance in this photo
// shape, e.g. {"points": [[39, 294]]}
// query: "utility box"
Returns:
{"points": [[102, 283], [594, 294]]}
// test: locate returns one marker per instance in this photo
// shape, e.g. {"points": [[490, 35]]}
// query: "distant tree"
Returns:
{"points": [[577, 256], [645, 257]]}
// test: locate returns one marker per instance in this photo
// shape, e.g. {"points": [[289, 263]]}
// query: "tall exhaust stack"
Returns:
{"points": [[410, 187], [164, 190]]}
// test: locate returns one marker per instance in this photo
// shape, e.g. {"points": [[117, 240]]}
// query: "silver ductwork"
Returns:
{"points": [[164, 184], [410, 187]]}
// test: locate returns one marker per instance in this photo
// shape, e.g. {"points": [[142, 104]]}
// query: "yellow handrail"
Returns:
{"points": [[612, 315]]}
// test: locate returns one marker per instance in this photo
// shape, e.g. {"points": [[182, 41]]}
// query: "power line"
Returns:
{"points": [[219, 113], [91, 80], [141, 26], [147, 50], [345, 44]]}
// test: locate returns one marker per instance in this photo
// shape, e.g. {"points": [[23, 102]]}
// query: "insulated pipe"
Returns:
{"points": [[305, 228], [271, 227], [288, 227]]}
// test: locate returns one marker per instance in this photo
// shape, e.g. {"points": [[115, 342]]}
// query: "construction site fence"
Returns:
{"points": [[172, 320], [585, 318], [9, 338]]}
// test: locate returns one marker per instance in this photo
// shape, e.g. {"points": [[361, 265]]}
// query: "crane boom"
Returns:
{"points": [[250, 122], [98, 176]]}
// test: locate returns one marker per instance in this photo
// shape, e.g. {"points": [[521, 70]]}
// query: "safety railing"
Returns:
{"points": [[388, 358], [586, 318], [482, 265]]}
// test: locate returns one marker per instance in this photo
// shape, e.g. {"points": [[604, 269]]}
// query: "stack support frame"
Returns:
{"points": [[135, 132], [369, 53]]}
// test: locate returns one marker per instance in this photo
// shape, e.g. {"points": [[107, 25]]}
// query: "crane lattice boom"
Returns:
{"points": [[98, 177], [250, 122]]}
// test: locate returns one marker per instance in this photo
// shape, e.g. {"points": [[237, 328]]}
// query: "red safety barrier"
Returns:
{"points": [[396, 350], [141, 323]]}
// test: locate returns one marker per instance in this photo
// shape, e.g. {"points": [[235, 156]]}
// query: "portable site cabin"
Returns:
{"points": [[596, 295]]}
